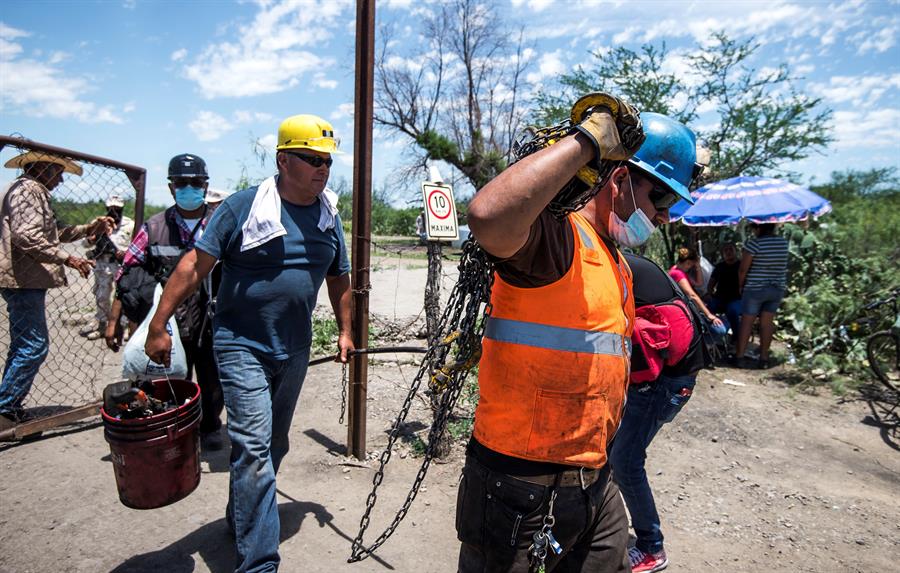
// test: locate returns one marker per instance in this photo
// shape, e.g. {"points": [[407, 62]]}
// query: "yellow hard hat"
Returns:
{"points": [[307, 132]]}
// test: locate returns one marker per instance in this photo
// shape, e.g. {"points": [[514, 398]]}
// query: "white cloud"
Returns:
{"points": [[550, 64], [343, 111], [860, 90], [58, 58], [321, 81], [268, 141], [179, 55], [534, 5], [881, 41], [209, 126], [243, 116], [400, 63], [271, 54], [40, 89], [867, 129], [625, 35]]}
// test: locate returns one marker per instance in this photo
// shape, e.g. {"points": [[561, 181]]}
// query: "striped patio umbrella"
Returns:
{"points": [[756, 199]]}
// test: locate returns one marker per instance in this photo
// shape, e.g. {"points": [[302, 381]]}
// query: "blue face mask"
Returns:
{"points": [[636, 230], [189, 197]]}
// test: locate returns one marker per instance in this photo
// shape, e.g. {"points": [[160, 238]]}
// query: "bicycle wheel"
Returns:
{"points": [[883, 351]]}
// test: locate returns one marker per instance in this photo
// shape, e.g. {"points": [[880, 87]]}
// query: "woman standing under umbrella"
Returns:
{"points": [[762, 278]]}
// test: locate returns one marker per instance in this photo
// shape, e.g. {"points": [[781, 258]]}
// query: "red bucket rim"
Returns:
{"points": [[158, 417]]}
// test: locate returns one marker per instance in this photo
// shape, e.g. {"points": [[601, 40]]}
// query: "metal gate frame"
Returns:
{"points": [[137, 176]]}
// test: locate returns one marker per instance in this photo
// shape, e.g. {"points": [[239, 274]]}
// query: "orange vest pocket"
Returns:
{"points": [[569, 426]]}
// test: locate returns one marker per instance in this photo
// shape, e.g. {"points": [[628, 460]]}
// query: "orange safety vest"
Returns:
{"points": [[555, 360]]}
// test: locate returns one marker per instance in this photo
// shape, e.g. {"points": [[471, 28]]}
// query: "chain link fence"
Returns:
{"points": [[69, 383]]}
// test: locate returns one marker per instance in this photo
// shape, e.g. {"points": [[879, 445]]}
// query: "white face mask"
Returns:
{"points": [[634, 232]]}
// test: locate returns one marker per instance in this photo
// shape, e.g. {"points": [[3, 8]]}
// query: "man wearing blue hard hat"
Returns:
{"points": [[536, 491]]}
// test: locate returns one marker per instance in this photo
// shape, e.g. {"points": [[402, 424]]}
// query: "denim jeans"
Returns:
{"points": [[732, 312], [649, 406], [28, 344], [260, 396], [761, 299]]}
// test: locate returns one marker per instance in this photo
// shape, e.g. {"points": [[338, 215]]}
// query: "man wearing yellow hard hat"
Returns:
{"points": [[31, 261], [278, 243]]}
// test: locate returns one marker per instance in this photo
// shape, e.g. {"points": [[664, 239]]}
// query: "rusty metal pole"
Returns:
{"points": [[362, 223]]}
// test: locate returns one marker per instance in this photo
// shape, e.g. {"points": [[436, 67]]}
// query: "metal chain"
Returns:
{"points": [[343, 392], [460, 330], [575, 193]]}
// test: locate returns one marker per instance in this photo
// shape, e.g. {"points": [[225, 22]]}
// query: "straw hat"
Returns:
{"points": [[217, 195], [20, 161]]}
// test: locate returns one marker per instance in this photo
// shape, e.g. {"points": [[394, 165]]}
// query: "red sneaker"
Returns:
{"points": [[647, 562]]}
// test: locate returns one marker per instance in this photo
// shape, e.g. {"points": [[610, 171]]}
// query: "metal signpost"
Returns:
{"points": [[440, 211], [440, 225]]}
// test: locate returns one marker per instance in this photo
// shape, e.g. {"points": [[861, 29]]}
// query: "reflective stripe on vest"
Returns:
{"points": [[166, 251], [555, 337]]}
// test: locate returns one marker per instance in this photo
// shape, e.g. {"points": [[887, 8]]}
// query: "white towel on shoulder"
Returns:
{"points": [[328, 201], [264, 221]]}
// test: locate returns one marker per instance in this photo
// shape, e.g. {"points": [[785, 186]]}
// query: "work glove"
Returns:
{"points": [[612, 125]]}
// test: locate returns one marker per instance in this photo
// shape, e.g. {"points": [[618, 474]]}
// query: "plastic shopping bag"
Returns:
{"points": [[135, 363]]}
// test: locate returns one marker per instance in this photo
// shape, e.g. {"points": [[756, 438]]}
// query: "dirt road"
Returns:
{"points": [[749, 478]]}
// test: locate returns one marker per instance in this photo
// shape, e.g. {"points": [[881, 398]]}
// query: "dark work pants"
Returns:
{"points": [[497, 515], [202, 362]]}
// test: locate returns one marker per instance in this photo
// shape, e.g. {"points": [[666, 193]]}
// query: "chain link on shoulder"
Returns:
{"points": [[579, 189]]}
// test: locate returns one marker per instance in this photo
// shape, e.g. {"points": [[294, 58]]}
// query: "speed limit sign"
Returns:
{"points": [[440, 212]]}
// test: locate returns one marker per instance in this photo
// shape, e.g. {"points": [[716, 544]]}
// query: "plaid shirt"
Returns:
{"points": [[136, 255]]}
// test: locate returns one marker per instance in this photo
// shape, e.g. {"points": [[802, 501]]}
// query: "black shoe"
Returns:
{"points": [[763, 364]]}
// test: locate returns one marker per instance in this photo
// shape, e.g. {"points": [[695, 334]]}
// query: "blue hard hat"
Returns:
{"points": [[669, 154]]}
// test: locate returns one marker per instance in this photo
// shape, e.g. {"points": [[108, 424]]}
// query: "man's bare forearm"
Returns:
{"points": [[340, 297], [501, 214]]}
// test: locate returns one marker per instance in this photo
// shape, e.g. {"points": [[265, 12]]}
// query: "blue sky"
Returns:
{"points": [[140, 81]]}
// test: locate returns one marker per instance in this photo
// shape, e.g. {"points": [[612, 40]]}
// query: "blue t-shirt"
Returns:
{"points": [[268, 293]]}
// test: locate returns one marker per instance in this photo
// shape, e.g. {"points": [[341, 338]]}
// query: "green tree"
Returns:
{"points": [[764, 122], [636, 75], [761, 121], [456, 93]]}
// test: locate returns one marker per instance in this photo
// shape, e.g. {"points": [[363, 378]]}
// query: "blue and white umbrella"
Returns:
{"points": [[757, 199]]}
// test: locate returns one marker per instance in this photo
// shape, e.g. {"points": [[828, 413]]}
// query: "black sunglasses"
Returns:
{"points": [[662, 198], [179, 182], [313, 160]]}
